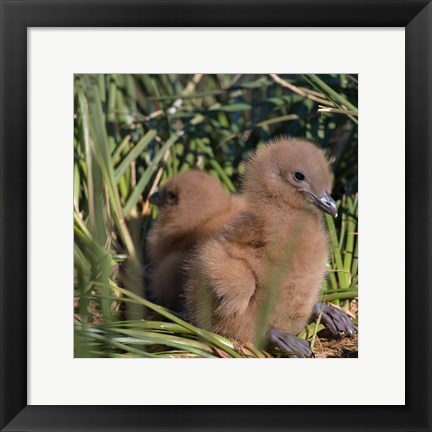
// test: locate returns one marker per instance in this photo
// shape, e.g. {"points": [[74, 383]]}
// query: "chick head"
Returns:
{"points": [[291, 172], [190, 198]]}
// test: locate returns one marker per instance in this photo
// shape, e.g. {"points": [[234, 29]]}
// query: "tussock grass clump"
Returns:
{"points": [[132, 132]]}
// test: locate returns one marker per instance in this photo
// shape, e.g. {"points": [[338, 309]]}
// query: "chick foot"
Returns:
{"points": [[337, 321], [289, 344]]}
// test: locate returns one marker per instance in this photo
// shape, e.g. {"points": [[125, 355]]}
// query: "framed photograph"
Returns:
{"points": [[109, 109]]}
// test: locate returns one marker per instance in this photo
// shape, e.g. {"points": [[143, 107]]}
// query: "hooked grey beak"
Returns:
{"points": [[155, 199], [326, 203]]}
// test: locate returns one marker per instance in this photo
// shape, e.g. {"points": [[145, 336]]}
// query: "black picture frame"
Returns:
{"points": [[17, 16]]}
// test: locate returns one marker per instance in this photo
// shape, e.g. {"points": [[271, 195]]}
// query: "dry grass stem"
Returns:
{"points": [[300, 91]]}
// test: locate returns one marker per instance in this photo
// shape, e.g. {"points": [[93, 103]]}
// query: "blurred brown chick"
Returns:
{"points": [[274, 253], [192, 206]]}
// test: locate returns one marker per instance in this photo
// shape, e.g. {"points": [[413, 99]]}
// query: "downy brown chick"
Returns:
{"points": [[262, 273], [192, 206]]}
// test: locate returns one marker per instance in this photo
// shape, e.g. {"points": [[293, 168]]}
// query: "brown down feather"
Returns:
{"points": [[273, 254], [192, 206]]}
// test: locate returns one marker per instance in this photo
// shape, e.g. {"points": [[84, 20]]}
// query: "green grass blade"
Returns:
{"points": [[101, 149], [134, 153], [341, 275], [144, 180]]}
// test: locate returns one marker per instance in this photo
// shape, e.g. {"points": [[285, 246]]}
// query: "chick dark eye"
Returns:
{"points": [[171, 197], [299, 176]]}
